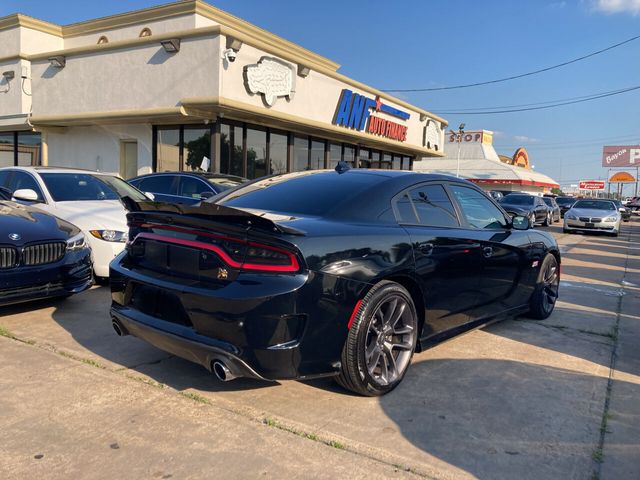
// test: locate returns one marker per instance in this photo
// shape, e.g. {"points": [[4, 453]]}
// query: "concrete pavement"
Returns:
{"points": [[519, 399]]}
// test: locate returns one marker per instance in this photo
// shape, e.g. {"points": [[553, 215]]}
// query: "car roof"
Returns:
{"points": [[58, 170], [191, 174]]}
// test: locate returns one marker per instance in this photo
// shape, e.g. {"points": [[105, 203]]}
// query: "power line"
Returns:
{"points": [[594, 97], [514, 77]]}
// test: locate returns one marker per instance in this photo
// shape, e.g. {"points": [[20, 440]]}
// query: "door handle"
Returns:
{"points": [[487, 252], [426, 248]]}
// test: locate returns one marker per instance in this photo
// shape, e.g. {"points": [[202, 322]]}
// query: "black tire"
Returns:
{"points": [[547, 221], [355, 374], [545, 294], [532, 220]]}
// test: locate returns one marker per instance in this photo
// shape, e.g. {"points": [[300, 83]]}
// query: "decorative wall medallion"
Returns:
{"points": [[272, 78], [433, 135]]}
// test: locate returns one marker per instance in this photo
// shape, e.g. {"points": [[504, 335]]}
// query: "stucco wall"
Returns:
{"points": [[98, 147], [316, 97], [130, 79], [11, 92]]}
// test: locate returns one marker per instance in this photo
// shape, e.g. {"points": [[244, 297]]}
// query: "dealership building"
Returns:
{"points": [[186, 86], [472, 156]]}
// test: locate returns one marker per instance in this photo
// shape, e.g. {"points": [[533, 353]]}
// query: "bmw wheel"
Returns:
{"points": [[381, 341], [547, 220], [545, 294]]}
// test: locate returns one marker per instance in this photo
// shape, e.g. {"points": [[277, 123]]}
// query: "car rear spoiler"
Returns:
{"points": [[207, 209]]}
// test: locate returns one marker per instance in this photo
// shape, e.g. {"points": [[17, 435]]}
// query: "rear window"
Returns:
{"points": [[302, 193], [565, 201], [518, 200]]}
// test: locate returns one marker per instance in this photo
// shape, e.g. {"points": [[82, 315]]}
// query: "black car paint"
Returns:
{"points": [[71, 274], [554, 207], [538, 210], [565, 203], [285, 326]]}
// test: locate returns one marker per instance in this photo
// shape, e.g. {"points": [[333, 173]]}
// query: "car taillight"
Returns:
{"points": [[236, 253]]}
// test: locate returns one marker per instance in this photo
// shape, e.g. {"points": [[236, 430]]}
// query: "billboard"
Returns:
{"points": [[591, 185], [621, 156], [622, 177]]}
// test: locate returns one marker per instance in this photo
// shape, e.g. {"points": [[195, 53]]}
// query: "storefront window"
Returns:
{"points": [[256, 153], [300, 154], [277, 153], [363, 158], [397, 162], [317, 155], [406, 163], [6, 149], [168, 150], [335, 154], [386, 161], [375, 159], [349, 155], [29, 147], [197, 149]]}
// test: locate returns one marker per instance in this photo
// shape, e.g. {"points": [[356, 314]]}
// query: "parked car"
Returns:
{"points": [[593, 215], [625, 212], [530, 206], [554, 207], [633, 204], [185, 187], [565, 204], [497, 195], [40, 255], [89, 200], [322, 273]]}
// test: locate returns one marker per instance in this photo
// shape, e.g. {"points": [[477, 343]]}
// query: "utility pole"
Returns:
{"points": [[459, 134]]}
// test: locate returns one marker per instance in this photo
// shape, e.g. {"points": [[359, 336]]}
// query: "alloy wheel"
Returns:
{"points": [[390, 340], [550, 282]]}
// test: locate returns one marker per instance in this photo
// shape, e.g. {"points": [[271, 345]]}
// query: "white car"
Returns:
{"points": [[89, 200], [593, 215]]}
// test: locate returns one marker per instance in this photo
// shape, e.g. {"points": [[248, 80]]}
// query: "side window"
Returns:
{"points": [[22, 180], [477, 209], [426, 205], [192, 187], [433, 206], [405, 211], [163, 184], [4, 177]]}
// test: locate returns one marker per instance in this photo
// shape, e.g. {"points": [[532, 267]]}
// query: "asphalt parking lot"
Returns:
{"points": [[556, 399]]}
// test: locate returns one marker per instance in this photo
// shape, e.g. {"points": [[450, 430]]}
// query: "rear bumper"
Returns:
{"points": [[70, 275], [262, 326]]}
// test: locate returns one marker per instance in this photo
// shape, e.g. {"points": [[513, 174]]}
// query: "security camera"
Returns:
{"points": [[229, 54]]}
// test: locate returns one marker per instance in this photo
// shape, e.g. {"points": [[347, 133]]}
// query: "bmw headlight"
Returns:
{"points": [[612, 218], [110, 235], [77, 242], [570, 217]]}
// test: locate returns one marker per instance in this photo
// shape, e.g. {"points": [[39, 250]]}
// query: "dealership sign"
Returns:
{"points": [[591, 185], [621, 156], [355, 111]]}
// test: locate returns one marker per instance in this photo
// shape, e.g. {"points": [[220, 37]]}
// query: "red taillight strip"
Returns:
{"points": [[353, 314], [292, 267]]}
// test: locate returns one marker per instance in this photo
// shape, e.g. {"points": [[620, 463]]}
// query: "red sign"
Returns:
{"points": [[621, 156], [591, 185]]}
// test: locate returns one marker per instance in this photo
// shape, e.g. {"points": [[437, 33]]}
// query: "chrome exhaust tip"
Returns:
{"points": [[222, 372], [120, 331]]}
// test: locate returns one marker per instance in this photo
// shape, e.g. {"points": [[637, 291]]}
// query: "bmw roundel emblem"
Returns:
{"points": [[14, 236]]}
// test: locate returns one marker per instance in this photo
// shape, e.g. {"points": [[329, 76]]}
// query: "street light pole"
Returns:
{"points": [[460, 134]]}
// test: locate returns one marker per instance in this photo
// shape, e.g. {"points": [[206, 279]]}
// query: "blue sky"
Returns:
{"points": [[418, 44]]}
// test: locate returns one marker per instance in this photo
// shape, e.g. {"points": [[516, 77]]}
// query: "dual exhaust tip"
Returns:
{"points": [[218, 367]]}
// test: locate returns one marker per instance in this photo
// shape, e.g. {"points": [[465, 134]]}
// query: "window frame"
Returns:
{"points": [[465, 223], [407, 190]]}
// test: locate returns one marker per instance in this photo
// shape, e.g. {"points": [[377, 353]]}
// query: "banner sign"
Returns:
{"points": [[621, 156], [354, 110], [591, 185]]}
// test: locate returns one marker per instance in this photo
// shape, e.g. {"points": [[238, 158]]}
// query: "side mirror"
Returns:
{"points": [[205, 195], [520, 222], [150, 196], [25, 195]]}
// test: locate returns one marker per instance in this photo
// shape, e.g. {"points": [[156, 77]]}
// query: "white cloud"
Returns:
{"points": [[525, 139], [617, 6]]}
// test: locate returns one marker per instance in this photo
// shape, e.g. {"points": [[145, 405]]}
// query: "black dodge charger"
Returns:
{"points": [[321, 273], [40, 255]]}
